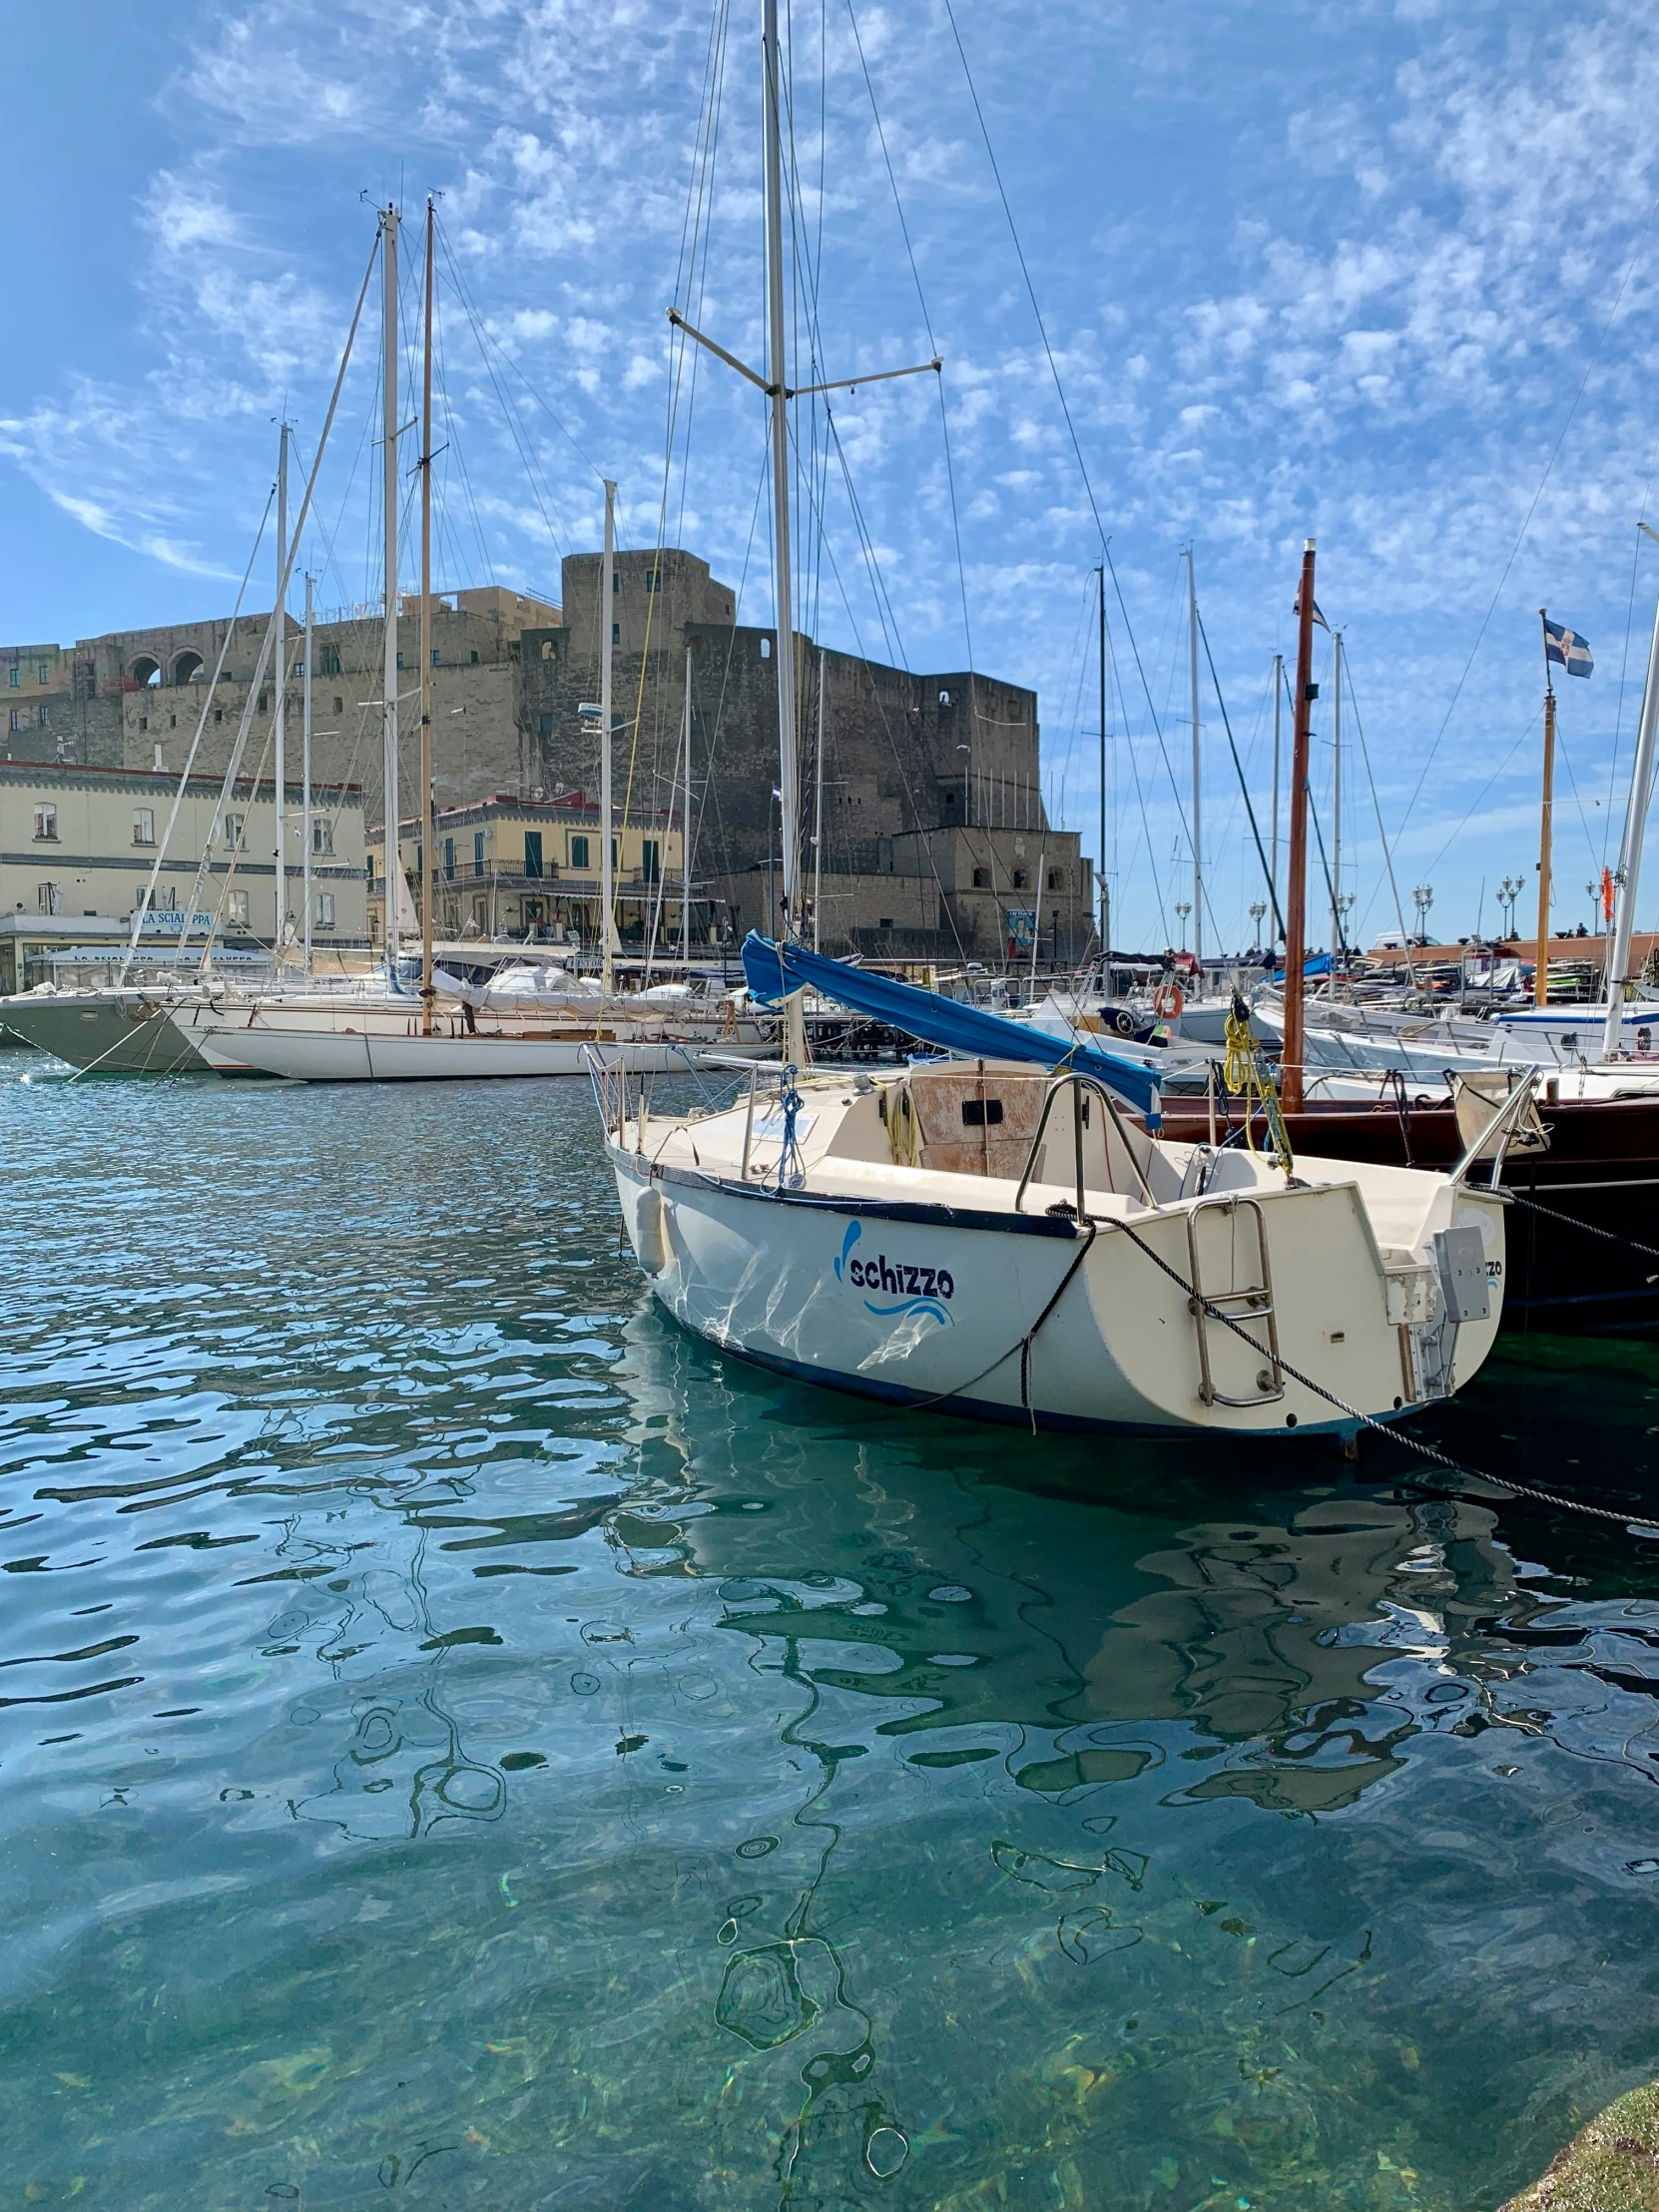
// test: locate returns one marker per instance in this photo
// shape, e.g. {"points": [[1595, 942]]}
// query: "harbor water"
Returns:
{"points": [[463, 1743]]}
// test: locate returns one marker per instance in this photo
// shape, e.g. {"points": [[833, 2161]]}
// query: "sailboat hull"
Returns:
{"points": [[111, 1032], [1021, 1319], [377, 1056]]}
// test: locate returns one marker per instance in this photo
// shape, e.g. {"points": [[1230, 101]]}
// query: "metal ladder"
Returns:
{"points": [[1254, 1303]]}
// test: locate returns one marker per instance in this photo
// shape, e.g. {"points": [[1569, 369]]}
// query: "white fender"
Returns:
{"points": [[651, 1231]]}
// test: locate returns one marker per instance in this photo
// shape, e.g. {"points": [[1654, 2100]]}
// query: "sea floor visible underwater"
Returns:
{"points": [[464, 1743]]}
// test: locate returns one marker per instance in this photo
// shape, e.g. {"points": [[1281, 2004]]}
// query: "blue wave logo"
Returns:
{"points": [[915, 1289]]}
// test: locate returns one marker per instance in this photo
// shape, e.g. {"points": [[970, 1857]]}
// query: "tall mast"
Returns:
{"points": [[1278, 700], [607, 888], [1336, 945], [818, 810], [1105, 887], [388, 678], [305, 770], [427, 872], [1630, 851], [1296, 892], [280, 697], [1198, 821], [777, 396], [1540, 967], [1279, 688], [686, 829]]}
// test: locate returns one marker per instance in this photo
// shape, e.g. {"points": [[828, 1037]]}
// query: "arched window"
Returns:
{"points": [[187, 668], [147, 669]]}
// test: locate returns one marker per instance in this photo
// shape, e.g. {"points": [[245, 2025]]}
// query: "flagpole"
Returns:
{"points": [[1540, 970]]}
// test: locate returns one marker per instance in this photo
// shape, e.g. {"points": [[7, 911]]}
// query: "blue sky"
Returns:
{"points": [[1355, 271]]}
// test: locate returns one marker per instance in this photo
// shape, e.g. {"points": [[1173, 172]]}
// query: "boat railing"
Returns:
{"points": [[1079, 1085]]}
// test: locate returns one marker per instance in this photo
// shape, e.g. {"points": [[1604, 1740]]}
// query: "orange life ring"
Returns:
{"points": [[1167, 1000]]}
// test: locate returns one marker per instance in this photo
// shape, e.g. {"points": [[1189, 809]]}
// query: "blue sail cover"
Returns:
{"points": [[775, 970]]}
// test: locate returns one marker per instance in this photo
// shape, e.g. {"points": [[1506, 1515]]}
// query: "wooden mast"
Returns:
{"points": [[1540, 967], [1296, 890], [428, 870]]}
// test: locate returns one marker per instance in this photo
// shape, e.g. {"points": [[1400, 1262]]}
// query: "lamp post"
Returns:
{"points": [[1507, 892], [1183, 908], [1258, 909], [1423, 898]]}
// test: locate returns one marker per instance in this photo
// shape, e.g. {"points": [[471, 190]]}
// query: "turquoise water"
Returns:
{"points": [[464, 1744]]}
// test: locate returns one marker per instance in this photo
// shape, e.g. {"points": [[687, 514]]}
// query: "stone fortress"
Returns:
{"points": [[935, 842]]}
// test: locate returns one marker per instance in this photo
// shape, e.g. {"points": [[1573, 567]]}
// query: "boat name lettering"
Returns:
{"points": [[900, 1278]]}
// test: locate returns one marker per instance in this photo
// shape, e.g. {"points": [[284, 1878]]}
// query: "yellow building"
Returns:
{"points": [[510, 866], [78, 844]]}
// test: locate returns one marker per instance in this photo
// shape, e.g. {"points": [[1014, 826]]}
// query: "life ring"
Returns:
{"points": [[1167, 1000]]}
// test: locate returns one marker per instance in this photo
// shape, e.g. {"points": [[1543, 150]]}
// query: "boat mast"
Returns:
{"points": [[1105, 885], [429, 873], [607, 887], [818, 809], [305, 770], [1295, 891], [686, 830], [388, 677], [1540, 967], [778, 397], [279, 699], [1630, 851], [1277, 701], [1337, 944], [1198, 825], [1279, 688]]}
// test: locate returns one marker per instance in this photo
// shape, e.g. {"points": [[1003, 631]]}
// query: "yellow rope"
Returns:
{"points": [[1245, 1073]]}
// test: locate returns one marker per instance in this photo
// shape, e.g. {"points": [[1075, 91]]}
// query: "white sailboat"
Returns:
{"points": [[994, 1238], [394, 1037]]}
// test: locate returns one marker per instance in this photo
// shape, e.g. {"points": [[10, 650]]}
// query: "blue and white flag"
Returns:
{"points": [[1317, 617], [1567, 647]]}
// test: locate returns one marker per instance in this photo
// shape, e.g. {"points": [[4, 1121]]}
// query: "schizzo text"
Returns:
{"points": [[901, 1281]]}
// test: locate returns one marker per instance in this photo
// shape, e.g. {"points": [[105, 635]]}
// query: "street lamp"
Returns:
{"points": [[1183, 908], [1258, 909], [1423, 898], [1507, 892]]}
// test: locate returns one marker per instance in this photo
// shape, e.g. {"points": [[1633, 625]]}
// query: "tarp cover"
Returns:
{"points": [[775, 970]]}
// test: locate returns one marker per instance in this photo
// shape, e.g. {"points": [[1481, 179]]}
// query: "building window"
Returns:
{"points": [[437, 657], [547, 725], [650, 860], [532, 854], [218, 714], [14, 676], [144, 722], [944, 699], [1056, 882], [143, 824], [46, 825], [235, 910], [1020, 879], [885, 923], [766, 649], [45, 672], [262, 702], [41, 715], [323, 910], [323, 834], [328, 661], [982, 878], [167, 899], [579, 852], [17, 717], [400, 660], [649, 585], [340, 703], [474, 656], [49, 899], [616, 633], [234, 828], [449, 859], [477, 852]]}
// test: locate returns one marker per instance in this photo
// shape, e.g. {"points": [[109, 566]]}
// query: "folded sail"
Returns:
{"points": [[773, 971]]}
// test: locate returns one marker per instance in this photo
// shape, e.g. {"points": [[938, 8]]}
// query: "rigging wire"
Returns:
{"points": [[1527, 522]]}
